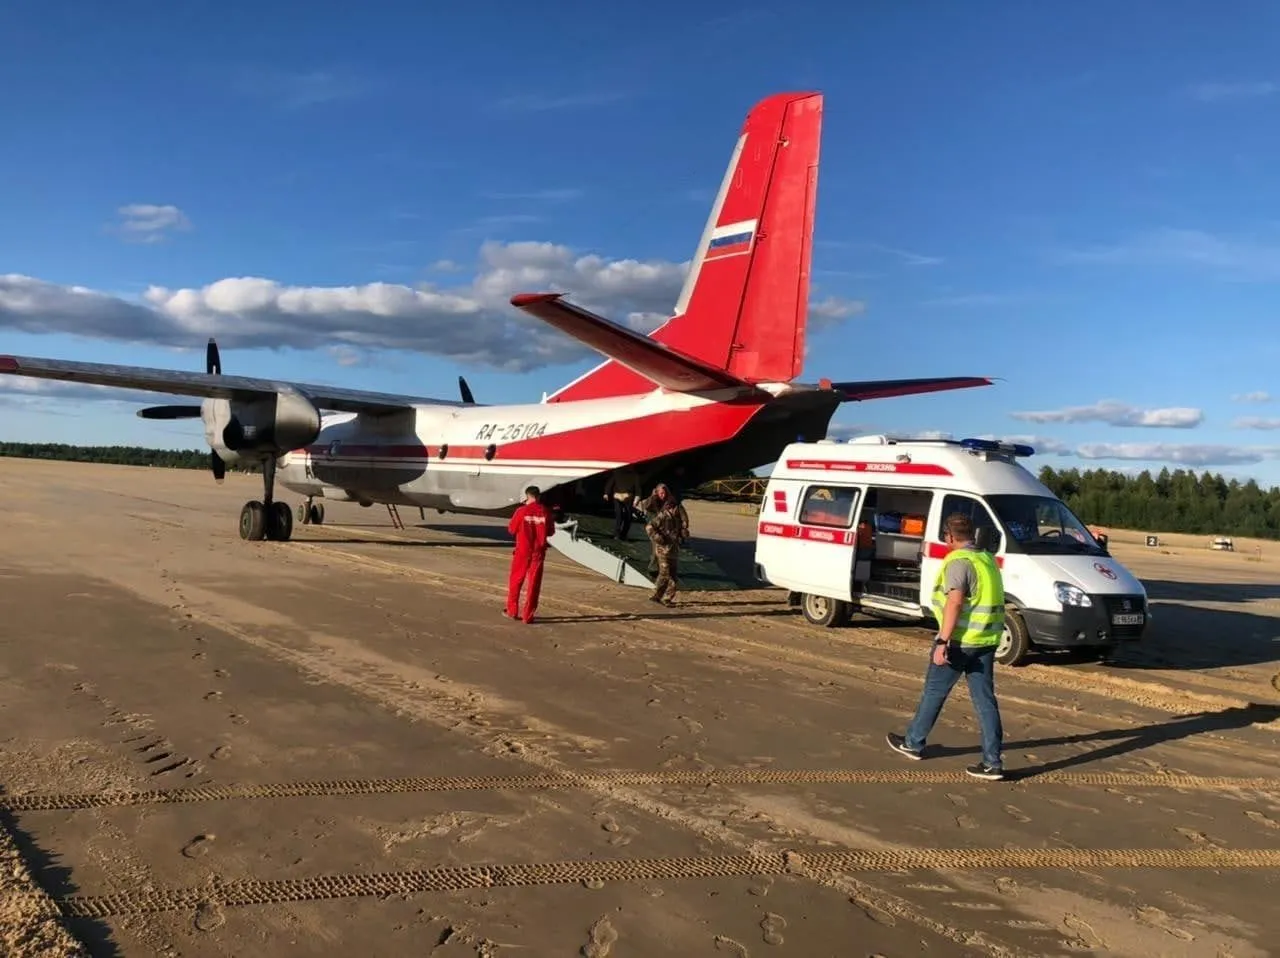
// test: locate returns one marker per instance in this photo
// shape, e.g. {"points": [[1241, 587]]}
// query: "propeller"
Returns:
{"points": [[213, 367], [466, 392], [170, 412]]}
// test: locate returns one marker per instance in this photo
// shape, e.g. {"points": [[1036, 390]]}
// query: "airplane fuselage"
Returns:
{"points": [[479, 459]]}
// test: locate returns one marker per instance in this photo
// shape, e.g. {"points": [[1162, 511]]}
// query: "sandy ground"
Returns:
{"points": [[338, 745]]}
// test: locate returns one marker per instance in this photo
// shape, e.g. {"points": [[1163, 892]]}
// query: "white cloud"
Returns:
{"points": [[150, 223], [34, 393], [294, 90], [1043, 445], [1119, 414], [1186, 455], [907, 256], [543, 102], [1239, 259], [831, 311], [975, 299], [1246, 90], [346, 356], [1257, 396], [471, 323], [843, 431], [549, 195], [1257, 422]]}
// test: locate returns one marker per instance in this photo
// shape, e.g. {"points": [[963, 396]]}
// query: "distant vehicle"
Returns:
{"points": [[1223, 544], [857, 526]]}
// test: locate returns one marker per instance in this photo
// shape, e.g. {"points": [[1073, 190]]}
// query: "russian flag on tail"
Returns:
{"points": [[731, 239]]}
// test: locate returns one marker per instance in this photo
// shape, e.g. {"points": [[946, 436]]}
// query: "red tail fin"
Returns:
{"points": [[745, 302]]}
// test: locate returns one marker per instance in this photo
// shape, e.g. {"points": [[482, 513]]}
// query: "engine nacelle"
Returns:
{"points": [[255, 428]]}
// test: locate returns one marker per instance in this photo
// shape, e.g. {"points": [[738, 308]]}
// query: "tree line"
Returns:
{"points": [[1170, 501], [114, 455]]}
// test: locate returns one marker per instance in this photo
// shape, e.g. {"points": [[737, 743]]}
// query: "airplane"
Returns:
{"points": [[709, 393]]}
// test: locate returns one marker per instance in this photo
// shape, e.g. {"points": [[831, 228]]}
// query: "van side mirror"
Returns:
{"points": [[1102, 544]]}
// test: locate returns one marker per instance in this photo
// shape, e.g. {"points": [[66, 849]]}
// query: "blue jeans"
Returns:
{"points": [[977, 666]]}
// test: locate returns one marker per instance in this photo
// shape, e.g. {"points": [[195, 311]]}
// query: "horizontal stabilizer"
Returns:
{"points": [[661, 364], [885, 388]]}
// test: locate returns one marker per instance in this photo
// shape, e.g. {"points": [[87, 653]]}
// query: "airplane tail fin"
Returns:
{"points": [[744, 304]]}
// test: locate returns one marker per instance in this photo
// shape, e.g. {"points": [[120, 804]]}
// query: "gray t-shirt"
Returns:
{"points": [[960, 575]]}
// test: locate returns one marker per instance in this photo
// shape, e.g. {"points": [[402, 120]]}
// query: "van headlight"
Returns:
{"points": [[1069, 594]]}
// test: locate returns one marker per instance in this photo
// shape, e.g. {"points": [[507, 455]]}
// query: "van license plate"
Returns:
{"points": [[1133, 618]]}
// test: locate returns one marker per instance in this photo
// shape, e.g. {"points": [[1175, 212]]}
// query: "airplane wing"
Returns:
{"points": [[181, 383], [884, 388], [661, 364]]}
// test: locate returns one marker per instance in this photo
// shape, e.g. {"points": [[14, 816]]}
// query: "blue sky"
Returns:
{"points": [[1078, 199]]}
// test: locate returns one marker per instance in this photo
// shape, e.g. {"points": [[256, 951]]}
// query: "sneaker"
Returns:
{"points": [[990, 773], [899, 744]]}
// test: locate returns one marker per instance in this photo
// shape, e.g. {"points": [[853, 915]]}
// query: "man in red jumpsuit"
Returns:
{"points": [[532, 525]]}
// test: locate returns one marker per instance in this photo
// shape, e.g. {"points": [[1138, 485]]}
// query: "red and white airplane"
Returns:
{"points": [[709, 393]]}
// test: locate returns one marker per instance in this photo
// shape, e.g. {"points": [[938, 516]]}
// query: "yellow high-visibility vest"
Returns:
{"points": [[981, 619]]}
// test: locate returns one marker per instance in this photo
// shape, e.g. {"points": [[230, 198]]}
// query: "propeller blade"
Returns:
{"points": [[212, 359], [466, 391], [218, 466], [170, 412]]}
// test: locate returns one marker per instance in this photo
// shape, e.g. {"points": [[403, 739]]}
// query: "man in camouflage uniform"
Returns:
{"points": [[665, 532], [651, 506]]}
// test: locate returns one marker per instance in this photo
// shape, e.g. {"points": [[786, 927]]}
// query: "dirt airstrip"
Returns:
{"points": [[338, 745]]}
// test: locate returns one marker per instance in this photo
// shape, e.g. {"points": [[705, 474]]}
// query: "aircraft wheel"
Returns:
{"points": [[304, 513], [253, 521], [280, 528], [317, 515]]}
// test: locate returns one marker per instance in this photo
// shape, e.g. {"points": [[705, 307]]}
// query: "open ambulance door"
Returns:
{"points": [[826, 543]]}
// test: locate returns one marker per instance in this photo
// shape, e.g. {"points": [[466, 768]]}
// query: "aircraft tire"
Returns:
{"points": [[253, 521], [317, 514], [304, 513], [280, 528]]}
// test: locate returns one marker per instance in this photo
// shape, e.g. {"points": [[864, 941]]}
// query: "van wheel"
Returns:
{"points": [[822, 611], [1015, 643]]}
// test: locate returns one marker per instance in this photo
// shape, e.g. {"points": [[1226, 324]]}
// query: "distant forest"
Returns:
{"points": [[116, 455], [1170, 501], [1177, 501]]}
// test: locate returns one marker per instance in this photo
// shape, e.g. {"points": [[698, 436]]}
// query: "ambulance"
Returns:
{"points": [[856, 526]]}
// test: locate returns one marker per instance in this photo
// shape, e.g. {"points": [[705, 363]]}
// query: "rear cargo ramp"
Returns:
{"points": [[588, 541]]}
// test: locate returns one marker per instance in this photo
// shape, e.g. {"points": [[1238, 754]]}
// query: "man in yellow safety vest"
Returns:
{"points": [[968, 602]]}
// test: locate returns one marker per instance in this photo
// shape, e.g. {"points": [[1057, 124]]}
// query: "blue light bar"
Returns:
{"points": [[992, 445]]}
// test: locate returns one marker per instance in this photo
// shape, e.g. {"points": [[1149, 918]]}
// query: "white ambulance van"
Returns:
{"points": [[857, 526]]}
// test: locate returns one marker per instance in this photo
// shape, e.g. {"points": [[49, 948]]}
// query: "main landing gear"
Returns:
{"points": [[267, 519]]}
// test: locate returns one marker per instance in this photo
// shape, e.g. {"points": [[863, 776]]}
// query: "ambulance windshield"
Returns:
{"points": [[1043, 525]]}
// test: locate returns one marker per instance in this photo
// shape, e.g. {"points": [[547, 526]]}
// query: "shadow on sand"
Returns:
{"points": [[1124, 741], [414, 543], [1183, 636], [659, 616], [55, 878]]}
